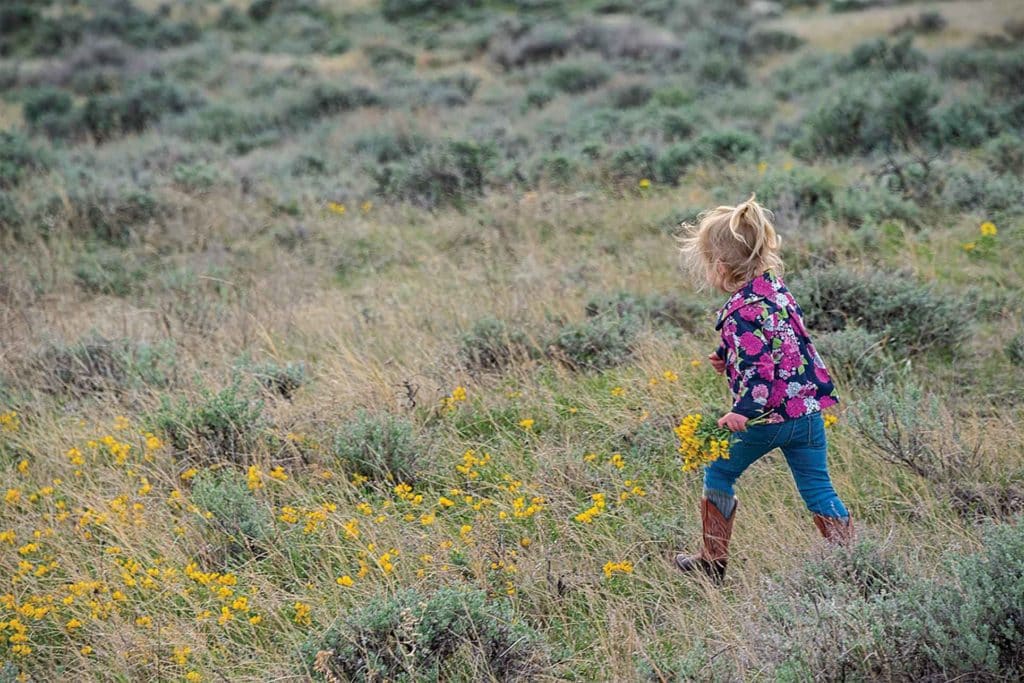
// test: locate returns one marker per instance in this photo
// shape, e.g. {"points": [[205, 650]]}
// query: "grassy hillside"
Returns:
{"points": [[346, 340]]}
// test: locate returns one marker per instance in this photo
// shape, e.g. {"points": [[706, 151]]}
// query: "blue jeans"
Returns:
{"points": [[804, 444]]}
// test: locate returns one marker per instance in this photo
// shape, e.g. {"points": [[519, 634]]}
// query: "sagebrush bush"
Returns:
{"points": [[885, 55], [576, 76], [967, 190], [114, 212], [855, 355], [97, 365], [410, 635], [450, 173], [967, 123], [797, 195], [599, 342], [657, 309], [214, 427], [1005, 153], [1015, 349], [238, 522], [379, 446], [492, 344], [863, 614], [281, 379], [18, 159], [914, 317], [142, 104], [108, 271], [863, 115]]}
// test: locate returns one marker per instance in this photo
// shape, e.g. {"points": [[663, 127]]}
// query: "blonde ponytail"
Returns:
{"points": [[741, 237]]}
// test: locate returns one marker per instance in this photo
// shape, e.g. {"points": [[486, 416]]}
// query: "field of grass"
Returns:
{"points": [[346, 340]]}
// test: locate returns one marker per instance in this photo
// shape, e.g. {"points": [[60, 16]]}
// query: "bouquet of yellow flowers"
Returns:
{"points": [[702, 441]]}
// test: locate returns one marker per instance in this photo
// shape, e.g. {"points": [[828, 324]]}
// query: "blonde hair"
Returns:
{"points": [[742, 238]]}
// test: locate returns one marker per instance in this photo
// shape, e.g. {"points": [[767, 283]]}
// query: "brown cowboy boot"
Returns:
{"points": [[834, 530], [717, 530]]}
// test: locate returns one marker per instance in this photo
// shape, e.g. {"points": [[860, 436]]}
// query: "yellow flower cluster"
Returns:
{"points": [[9, 421], [588, 515], [457, 396], [701, 442], [611, 568], [471, 463]]}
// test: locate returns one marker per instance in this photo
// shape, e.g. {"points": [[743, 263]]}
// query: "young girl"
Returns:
{"points": [[773, 371]]}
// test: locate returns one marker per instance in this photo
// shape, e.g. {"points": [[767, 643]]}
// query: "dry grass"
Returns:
{"points": [[839, 31]]}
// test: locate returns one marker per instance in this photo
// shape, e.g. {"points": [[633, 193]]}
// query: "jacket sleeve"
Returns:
{"points": [[755, 362]]}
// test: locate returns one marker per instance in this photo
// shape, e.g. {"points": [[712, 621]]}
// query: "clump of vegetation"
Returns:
{"points": [[96, 365], [883, 621], [281, 379], [914, 317], [450, 173], [410, 635], [576, 76], [18, 159], [655, 309], [237, 521], [492, 344], [223, 426], [381, 447], [855, 355], [599, 342]]}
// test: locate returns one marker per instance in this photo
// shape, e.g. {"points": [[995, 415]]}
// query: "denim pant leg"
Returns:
{"points": [[806, 455], [746, 448]]}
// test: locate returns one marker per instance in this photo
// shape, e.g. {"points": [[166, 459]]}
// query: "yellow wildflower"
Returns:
{"points": [[988, 229]]}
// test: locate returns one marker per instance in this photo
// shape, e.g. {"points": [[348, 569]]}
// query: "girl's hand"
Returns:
{"points": [[717, 363], [734, 422]]}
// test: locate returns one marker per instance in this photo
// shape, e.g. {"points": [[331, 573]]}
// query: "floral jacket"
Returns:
{"points": [[771, 364]]}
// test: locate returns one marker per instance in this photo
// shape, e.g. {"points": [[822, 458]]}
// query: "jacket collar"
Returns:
{"points": [[757, 289]]}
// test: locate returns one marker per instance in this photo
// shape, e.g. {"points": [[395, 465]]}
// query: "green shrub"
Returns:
{"points": [[964, 624], [967, 123], [282, 380], [1005, 153], [413, 636], [109, 271], [239, 521], [773, 40], [445, 173], [859, 206], [855, 355], [492, 345], [634, 162], [557, 170], [45, 103], [797, 194], [981, 189], [389, 146], [998, 70], [864, 116], [884, 55], [327, 99], [914, 317], [575, 77], [213, 427], [96, 365], [394, 10], [630, 96], [597, 343], [726, 145], [11, 219], [1015, 350], [196, 178], [382, 447], [673, 162], [654, 309], [142, 104], [19, 159], [113, 213]]}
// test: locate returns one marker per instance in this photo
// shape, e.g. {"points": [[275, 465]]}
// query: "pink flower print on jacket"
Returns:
{"points": [[770, 361]]}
